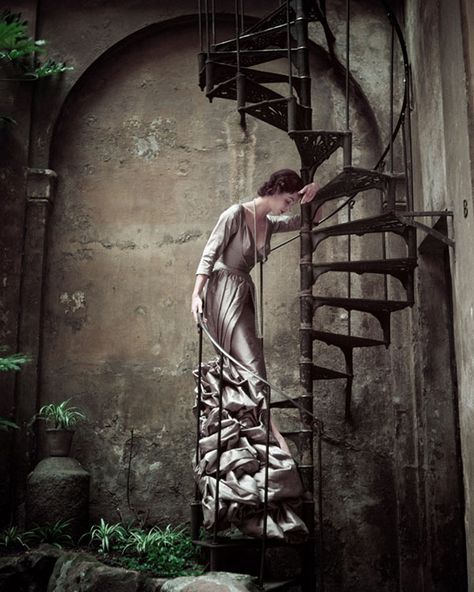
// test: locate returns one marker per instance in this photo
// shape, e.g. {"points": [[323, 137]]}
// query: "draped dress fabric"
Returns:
{"points": [[229, 307]]}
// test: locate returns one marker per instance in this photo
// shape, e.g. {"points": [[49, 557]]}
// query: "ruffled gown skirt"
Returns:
{"points": [[230, 315]]}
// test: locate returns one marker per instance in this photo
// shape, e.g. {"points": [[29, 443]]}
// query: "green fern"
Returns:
{"points": [[12, 362]]}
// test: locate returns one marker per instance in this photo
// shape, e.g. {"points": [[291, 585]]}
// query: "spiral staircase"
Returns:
{"points": [[227, 70]]}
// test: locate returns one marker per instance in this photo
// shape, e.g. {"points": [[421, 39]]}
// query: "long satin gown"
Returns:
{"points": [[229, 307]]}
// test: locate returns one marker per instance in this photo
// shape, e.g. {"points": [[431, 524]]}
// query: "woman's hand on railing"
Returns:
{"points": [[196, 308], [308, 192]]}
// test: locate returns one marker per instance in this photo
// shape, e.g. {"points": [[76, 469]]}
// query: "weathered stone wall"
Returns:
{"points": [[440, 47], [145, 164]]}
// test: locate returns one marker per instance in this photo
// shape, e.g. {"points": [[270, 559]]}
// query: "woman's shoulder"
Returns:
{"points": [[232, 212]]}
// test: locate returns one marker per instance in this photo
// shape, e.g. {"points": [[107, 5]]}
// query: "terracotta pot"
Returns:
{"points": [[58, 441]]}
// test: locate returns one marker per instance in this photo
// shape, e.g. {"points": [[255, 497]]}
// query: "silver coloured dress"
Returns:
{"points": [[229, 307]]}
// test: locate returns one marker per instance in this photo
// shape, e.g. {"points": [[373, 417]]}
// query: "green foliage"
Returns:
{"points": [[6, 120], [12, 539], [61, 415], [12, 362], [18, 48], [6, 424], [49, 68], [14, 40], [106, 537], [9, 363], [165, 552], [168, 552], [55, 534]]}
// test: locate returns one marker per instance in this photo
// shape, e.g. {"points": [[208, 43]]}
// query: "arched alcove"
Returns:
{"points": [[145, 165]]}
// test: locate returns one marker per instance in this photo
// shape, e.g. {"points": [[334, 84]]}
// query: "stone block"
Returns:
{"points": [[29, 571], [212, 582], [58, 489]]}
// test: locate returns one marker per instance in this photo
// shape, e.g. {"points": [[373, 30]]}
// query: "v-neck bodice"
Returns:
{"points": [[232, 243], [262, 250]]}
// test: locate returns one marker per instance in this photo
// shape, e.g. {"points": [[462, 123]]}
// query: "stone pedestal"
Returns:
{"points": [[58, 489]]}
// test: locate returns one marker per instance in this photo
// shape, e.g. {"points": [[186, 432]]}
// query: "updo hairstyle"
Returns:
{"points": [[283, 181]]}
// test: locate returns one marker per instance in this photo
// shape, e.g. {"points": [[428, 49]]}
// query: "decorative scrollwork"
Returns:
{"points": [[275, 113], [352, 181], [317, 146]]}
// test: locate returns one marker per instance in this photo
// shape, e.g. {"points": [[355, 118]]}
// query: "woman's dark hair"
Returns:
{"points": [[283, 181]]}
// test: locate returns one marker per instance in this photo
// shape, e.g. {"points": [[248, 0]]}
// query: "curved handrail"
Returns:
{"points": [[205, 330], [406, 67]]}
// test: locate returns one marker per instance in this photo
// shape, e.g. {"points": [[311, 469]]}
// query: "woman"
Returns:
{"points": [[240, 238]]}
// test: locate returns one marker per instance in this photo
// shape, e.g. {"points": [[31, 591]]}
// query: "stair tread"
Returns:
{"points": [[350, 181], [397, 263], [341, 340], [387, 222], [248, 57], [278, 16], [223, 72], [362, 304], [286, 403], [241, 541], [277, 34], [254, 92], [321, 373]]}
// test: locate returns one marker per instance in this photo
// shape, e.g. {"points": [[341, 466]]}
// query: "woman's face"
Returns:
{"points": [[281, 203]]}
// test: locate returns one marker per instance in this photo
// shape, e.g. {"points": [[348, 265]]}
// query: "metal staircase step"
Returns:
{"points": [[286, 403], [380, 309], [402, 268], [387, 222], [351, 181], [316, 146], [346, 341], [274, 112], [295, 434], [275, 18], [320, 373], [222, 72], [236, 542], [240, 554], [361, 304], [254, 92], [279, 17], [248, 57], [272, 36]]}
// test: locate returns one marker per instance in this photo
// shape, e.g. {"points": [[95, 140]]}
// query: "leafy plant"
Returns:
{"points": [[12, 362], [9, 363], [141, 542], [12, 539], [61, 415], [19, 52], [106, 536], [17, 47], [55, 534], [165, 552], [168, 552]]}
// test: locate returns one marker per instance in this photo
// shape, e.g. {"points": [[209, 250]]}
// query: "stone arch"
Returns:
{"points": [[122, 246]]}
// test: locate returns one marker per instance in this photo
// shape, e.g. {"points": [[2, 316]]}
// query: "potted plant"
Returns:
{"points": [[62, 419]]}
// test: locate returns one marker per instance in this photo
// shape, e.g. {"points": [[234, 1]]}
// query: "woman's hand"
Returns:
{"points": [[196, 300], [308, 192], [196, 307]]}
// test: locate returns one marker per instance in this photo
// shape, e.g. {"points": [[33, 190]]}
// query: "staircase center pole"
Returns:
{"points": [[306, 305]]}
